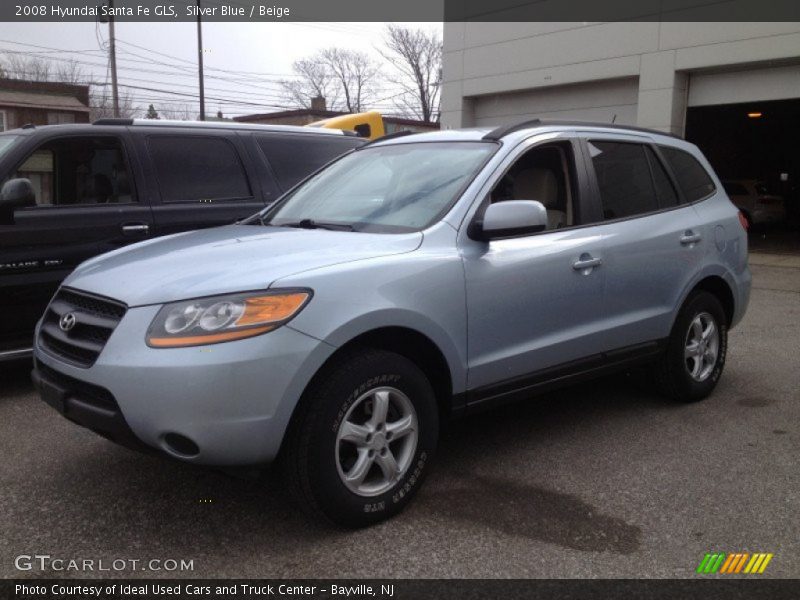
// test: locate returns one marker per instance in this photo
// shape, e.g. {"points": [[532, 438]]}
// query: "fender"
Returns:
{"points": [[415, 321], [710, 270]]}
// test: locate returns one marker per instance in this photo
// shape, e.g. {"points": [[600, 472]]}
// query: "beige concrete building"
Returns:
{"points": [[637, 73]]}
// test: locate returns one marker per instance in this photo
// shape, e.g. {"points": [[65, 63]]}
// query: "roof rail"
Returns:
{"points": [[504, 130], [389, 136], [110, 121]]}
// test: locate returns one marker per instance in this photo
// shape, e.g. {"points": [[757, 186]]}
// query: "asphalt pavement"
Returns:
{"points": [[601, 480]]}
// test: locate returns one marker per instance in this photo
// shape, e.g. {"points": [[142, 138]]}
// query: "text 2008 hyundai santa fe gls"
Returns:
{"points": [[414, 279]]}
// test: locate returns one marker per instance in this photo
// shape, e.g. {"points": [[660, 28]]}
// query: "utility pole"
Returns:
{"points": [[112, 51], [200, 64]]}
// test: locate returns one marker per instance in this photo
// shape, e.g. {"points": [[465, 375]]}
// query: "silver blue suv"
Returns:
{"points": [[415, 279]]}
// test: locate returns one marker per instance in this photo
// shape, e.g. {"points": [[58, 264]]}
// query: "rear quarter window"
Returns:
{"points": [[295, 156], [693, 179]]}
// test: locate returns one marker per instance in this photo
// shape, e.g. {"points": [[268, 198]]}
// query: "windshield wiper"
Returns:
{"points": [[312, 224]]}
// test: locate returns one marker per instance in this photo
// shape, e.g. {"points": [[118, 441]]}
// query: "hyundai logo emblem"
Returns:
{"points": [[67, 322]]}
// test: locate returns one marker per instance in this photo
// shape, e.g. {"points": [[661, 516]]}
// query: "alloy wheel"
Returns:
{"points": [[701, 349], [376, 441]]}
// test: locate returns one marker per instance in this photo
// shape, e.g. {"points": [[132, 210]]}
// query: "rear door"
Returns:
{"points": [[652, 239], [198, 179], [87, 203]]}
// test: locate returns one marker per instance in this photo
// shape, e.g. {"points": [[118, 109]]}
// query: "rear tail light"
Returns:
{"points": [[743, 221]]}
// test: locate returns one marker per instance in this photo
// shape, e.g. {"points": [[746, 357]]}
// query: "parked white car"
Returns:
{"points": [[758, 206]]}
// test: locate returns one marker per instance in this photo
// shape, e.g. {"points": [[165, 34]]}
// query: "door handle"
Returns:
{"points": [[135, 228], [586, 262], [690, 237]]}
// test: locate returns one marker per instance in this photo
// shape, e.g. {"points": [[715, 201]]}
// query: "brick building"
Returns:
{"points": [[42, 103]]}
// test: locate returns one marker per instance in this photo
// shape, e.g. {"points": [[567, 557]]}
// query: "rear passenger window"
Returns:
{"points": [[198, 168], [295, 156], [694, 181], [623, 175]]}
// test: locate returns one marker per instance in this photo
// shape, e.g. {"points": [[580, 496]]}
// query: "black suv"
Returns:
{"points": [[73, 191]]}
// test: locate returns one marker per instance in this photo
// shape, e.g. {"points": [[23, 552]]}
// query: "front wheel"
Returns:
{"points": [[363, 438], [695, 355]]}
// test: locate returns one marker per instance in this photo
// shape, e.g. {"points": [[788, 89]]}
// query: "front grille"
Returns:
{"points": [[95, 320]]}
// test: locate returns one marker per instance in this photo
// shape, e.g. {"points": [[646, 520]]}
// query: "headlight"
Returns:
{"points": [[223, 318]]}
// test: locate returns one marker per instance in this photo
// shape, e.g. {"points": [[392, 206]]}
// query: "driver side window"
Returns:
{"points": [[78, 170], [544, 174]]}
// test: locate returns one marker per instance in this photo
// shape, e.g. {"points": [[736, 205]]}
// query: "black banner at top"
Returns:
{"points": [[401, 10]]}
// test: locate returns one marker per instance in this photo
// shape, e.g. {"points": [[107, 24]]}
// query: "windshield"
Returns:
{"points": [[395, 188], [6, 141]]}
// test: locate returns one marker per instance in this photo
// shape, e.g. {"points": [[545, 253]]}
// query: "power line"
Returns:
{"points": [[183, 71]]}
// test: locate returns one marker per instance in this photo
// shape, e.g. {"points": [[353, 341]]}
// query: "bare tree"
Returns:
{"points": [[70, 71], [345, 78], [417, 58], [29, 68], [34, 68], [355, 74], [313, 79], [179, 112], [102, 105]]}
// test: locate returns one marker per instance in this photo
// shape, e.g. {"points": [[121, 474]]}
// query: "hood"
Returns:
{"points": [[227, 259]]}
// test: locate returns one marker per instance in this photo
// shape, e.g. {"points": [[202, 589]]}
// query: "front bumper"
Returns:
{"points": [[232, 400]]}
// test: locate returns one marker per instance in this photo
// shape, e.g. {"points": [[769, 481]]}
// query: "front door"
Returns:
{"points": [[534, 302], [86, 204]]}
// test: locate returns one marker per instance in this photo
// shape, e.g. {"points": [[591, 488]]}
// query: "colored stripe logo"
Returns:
{"points": [[735, 562]]}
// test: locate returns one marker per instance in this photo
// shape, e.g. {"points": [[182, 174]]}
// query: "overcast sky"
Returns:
{"points": [[163, 56]]}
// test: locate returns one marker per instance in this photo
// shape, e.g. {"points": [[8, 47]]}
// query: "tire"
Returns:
{"points": [[326, 449], [685, 372]]}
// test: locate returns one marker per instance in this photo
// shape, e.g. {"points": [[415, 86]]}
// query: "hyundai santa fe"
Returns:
{"points": [[414, 279]]}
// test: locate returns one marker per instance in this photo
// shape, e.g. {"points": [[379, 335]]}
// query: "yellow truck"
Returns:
{"points": [[367, 124]]}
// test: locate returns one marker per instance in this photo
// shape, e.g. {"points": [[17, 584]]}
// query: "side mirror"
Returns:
{"points": [[511, 218], [17, 193]]}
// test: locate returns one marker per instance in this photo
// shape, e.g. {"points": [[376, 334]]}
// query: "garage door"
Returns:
{"points": [[752, 85], [602, 101]]}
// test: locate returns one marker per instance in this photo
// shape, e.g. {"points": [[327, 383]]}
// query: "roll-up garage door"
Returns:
{"points": [[750, 85], [601, 101]]}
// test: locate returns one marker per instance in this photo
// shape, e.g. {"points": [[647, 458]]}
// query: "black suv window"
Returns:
{"points": [[694, 181], [295, 156], [624, 179], [198, 168], [79, 170]]}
